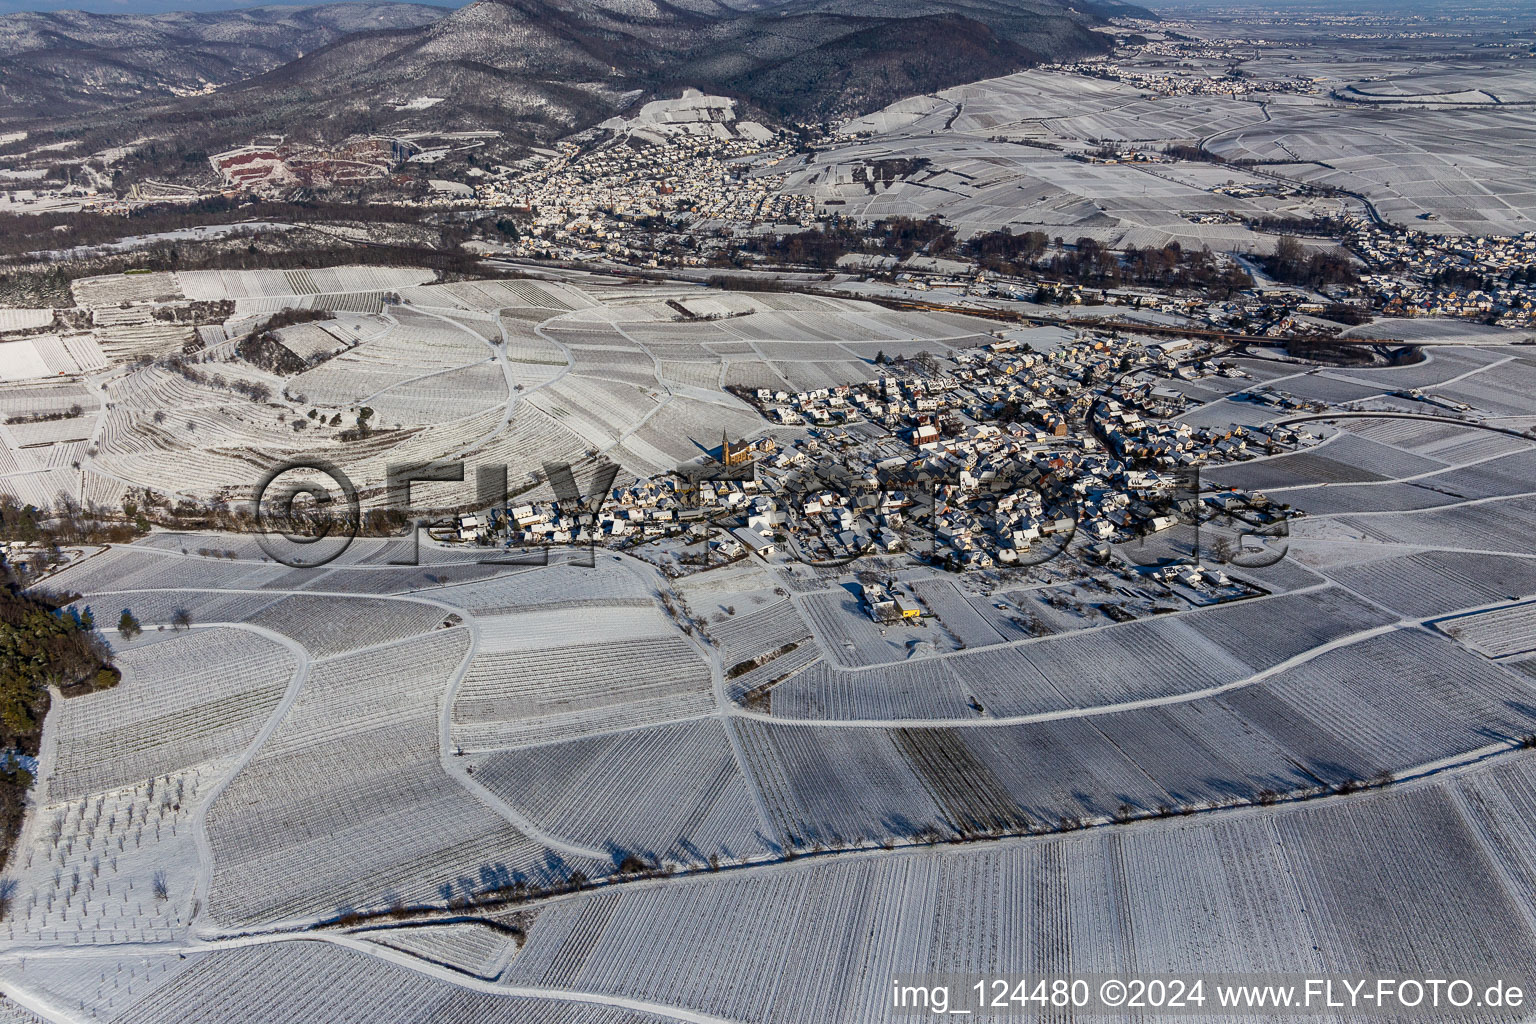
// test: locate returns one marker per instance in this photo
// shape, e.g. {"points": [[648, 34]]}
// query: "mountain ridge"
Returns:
{"points": [[534, 71], [52, 63], [793, 60]]}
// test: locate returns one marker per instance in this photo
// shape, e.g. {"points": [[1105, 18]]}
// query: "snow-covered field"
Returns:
{"points": [[996, 155], [387, 746], [517, 372], [598, 793]]}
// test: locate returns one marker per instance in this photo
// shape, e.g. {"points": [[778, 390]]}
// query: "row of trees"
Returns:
{"points": [[899, 237], [1087, 262], [69, 522], [255, 390], [1090, 263]]}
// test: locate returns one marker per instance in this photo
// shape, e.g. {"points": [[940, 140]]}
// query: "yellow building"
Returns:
{"points": [[743, 452]]}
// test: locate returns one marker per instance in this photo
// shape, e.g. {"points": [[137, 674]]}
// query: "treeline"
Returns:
{"points": [[1290, 264], [906, 236], [24, 233], [1184, 151], [1090, 263], [73, 412], [238, 517], [292, 317], [737, 283], [1003, 252], [265, 352], [1468, 279], [262, 349], [67, 523], [815, 248], [899, 237], [1461, 279], [1086, 263], [50, 283], [1321, 227], [1343, 313], [889, 169], [200, 311], [40, 646], [256, 391]]}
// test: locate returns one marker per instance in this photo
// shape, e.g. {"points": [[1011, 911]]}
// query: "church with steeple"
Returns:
{"points": [[742, 453]]}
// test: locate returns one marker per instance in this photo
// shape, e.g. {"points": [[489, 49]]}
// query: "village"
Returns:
{"points": [[1415, 273], [609, 202], [686, 201], [995, 458]]}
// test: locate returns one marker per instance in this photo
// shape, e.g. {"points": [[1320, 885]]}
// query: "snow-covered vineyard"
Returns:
{"points": [[149, 389], [596, 791], [530, 794]]}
